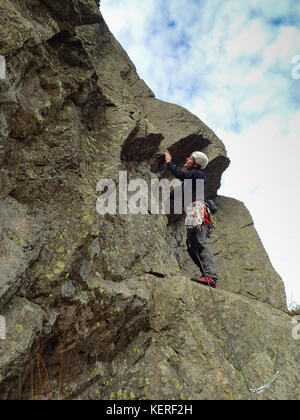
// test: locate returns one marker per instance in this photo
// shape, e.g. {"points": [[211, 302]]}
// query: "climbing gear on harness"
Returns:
{"points": [[211, 205], [198, 214], [195, 215], [210, 220], [200, 158], [250, 390], [205, 281]]}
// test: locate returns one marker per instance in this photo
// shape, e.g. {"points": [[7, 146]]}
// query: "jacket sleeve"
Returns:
{"points": [[182, 175]]}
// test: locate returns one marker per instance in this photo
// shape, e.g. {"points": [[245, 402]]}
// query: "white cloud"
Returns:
{"points": [[255, 103], [283, 48], [270, 10], [249, 41]]}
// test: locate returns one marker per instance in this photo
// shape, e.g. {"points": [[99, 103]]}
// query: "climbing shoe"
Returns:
{"points": [[206, 281]]}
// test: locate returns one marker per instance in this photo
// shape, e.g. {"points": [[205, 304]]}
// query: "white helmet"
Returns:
{"points": [[200, 159]]}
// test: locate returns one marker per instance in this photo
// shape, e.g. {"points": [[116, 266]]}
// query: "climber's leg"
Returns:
{"points": [[199, 249]]}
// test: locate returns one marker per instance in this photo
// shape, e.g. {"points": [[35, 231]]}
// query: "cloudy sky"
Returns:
{"points": [[236, 65]]}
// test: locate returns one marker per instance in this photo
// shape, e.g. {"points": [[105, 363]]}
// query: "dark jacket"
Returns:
{"points": [[194, 174]]}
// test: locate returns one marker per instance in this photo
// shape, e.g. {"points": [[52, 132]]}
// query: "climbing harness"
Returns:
{"points": [[250, 390]]}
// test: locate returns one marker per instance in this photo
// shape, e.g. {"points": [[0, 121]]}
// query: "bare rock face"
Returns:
{"points": [[101, 307]]}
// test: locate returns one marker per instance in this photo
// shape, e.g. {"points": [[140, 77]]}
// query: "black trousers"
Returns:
{"points": [[197, 244]]}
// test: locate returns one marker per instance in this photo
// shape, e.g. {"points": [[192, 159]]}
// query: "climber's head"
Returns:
{"points": [[195, 160]]}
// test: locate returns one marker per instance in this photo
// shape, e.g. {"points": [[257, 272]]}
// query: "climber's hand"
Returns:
{"points": [[167, 157]]}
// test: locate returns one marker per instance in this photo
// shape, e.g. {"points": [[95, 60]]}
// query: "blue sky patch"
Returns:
{"points": [[285, 21], [171, 24]]}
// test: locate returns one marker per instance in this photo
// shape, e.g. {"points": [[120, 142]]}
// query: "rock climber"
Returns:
{"points": [[196, 221]]}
